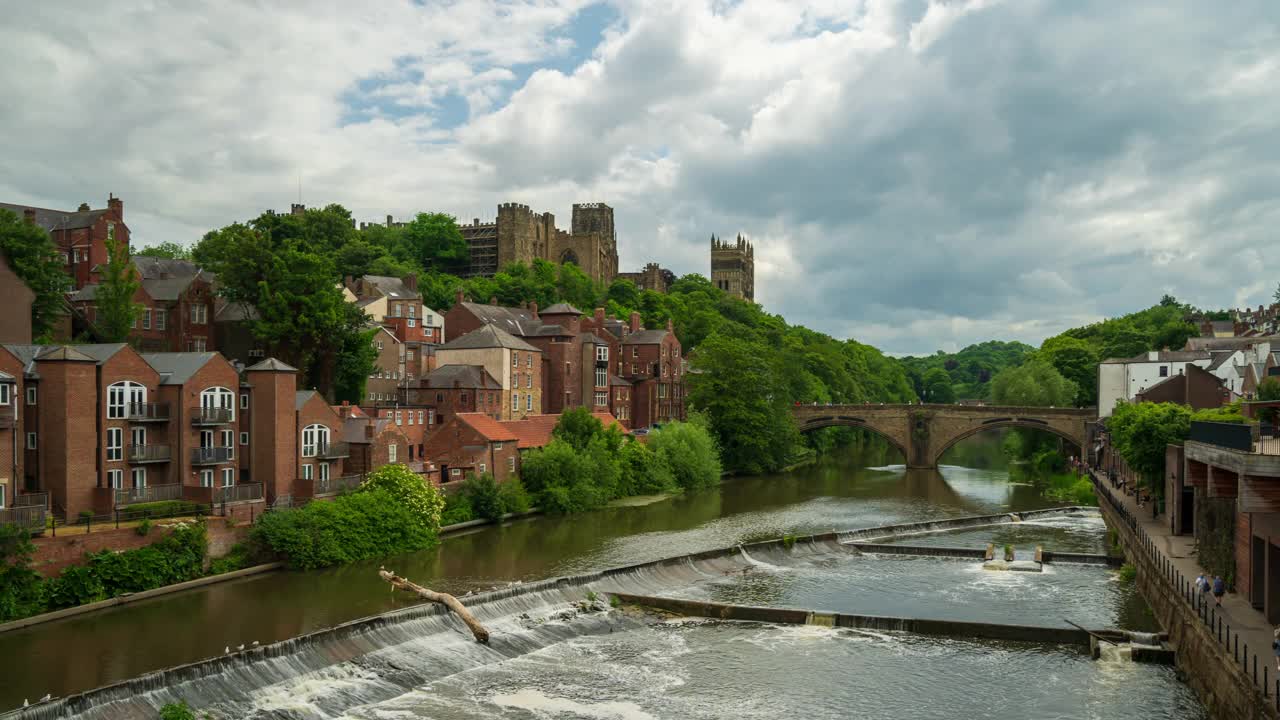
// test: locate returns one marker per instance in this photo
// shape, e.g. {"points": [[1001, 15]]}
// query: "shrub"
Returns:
{"points": [[160, 509], [643, 472], [482, 494], [563, 480], [1128, 573], [77, 585], [144, 527], [457, 509], [177, 711], [514, 497], [235, 559], [690, 453], [22, 590], [361, 525], [409, 490], [178, 557]]}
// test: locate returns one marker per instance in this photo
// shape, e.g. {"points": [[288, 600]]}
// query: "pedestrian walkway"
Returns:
{"points": [[1243, 631]]}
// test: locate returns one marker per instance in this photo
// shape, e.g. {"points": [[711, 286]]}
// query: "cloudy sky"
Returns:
{"points": [[916, 174]]}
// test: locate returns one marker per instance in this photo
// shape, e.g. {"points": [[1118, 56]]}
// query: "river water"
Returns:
{"points": [[614, 665]]}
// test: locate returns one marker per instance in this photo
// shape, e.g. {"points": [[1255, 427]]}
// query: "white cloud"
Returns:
{"points": [[915, 173]]}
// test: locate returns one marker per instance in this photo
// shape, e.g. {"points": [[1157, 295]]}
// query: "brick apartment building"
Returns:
{"points": [[396, 304], [81, 235], [514, 363], [453, 389], [473, 443], [179, 306]]}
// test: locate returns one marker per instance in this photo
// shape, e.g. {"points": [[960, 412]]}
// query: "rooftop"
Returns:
{"points": [[177, 368], [462, 376], [536, 431], [487, 427], [488, 336], [58, 219]]}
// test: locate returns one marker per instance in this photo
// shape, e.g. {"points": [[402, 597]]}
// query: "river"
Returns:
{"points": [[853, 488]]}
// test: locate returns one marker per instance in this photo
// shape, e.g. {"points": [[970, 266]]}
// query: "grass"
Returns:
{"points": [[1128, 573]]}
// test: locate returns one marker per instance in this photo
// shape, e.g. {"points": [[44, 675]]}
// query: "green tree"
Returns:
{"points": [[1075, 360], [21, 588], [1269, 389], [643, 472], [1141, 433], [937, 387], [434, 241], [577, 427], [34, 258], [689, 452], [116, 312], [356, 356], [409, 490], [1035, 384], [168, 250]]}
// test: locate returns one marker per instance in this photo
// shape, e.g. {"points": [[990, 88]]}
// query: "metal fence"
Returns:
{"points": [[31, 499], [238, 493], [333, 486], [31, 517], [210, 455], [1198, 601], [1227, 435], [147, 493]]}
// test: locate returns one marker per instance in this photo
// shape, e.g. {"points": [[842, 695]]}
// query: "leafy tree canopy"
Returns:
{"points": [[1034, 384], [34, 258], [169, 250]]}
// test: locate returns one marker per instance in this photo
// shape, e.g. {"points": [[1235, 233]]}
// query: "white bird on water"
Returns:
{"points": [[255, 643]]}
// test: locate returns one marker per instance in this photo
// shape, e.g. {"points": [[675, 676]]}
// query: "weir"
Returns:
{"points": [[385, 656]]}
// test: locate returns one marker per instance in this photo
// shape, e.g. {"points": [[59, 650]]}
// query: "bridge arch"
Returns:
{"points": [[824, 421], [1023, 424]]}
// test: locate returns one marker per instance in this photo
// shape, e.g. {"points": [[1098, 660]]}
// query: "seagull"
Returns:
{"points": [[255, 643], [226, 650], [241, 647], [26, 703], [46, 697]]}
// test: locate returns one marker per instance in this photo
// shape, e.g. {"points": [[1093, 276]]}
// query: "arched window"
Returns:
{"points": [[569, 256], [219, 398], [315, 438], [123, 394]]}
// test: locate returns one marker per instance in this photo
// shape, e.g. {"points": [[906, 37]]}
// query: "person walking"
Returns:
{"points": [[1202, 583], [1219, 589], [1275, 648]]}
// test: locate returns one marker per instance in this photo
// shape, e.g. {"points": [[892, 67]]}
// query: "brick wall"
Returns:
{"points": [[53, 555], [16, 299], [68, 449]]}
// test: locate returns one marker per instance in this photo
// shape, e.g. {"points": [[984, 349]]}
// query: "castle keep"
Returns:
{"points": [[521, 235], [733, 267]]}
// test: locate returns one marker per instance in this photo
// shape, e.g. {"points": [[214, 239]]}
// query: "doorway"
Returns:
{"points": [[1258, 572]]}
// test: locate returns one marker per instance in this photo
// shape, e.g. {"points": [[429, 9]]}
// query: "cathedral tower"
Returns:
{"points": [[733, 267]]}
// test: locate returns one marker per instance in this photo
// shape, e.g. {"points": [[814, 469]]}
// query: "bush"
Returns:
{"points": [[514, 497], [160, 509], [482, 494], [689, 452], [176, 558], [77, 585], [370, 523], [457, 509], [409, 490], [144, 527], [22, 590], [1128, 573], [235, 559], [564, 480], [177, 711], [643, 472]]}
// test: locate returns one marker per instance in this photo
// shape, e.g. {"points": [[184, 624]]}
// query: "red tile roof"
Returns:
{"points": [[535, 432], [490, 429]]}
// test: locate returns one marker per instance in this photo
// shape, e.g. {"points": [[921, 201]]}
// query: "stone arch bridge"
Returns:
{"points": [[924, 432]]}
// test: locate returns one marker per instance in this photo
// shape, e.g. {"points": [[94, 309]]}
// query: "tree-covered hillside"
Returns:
{"points": [[966, 375]]}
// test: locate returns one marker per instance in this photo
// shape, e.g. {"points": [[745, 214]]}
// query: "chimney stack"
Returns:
{"points": [[635, 322], [458, 297], [493, 299], [533, 308], [411, 281], [599, 316], [670, 327], [116, 206], [29, 216]]}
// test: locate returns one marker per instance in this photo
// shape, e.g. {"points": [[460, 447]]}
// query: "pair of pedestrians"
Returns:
{"points": [[1217, 586]]}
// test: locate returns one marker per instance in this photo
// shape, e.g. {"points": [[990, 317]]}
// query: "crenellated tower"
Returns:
{"points": [[733, 267]]}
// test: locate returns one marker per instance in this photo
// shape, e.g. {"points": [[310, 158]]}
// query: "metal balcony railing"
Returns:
{"points": [[211, 415], [148, 412], [210, 455], [244, 492], [147, 493], [333, 486], [149, 453], [332, 451], [31, 517], [32, 499]]}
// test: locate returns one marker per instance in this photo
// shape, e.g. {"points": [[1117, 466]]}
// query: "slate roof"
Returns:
{"points": [[535, 431], [235, 312], [57, 219], [1220, 358], [392, 287], [513, 320], [467, 376], [1161, 356], [64, 352], [176, 368], [489, 429], [646, 337], [488, 336], [562, 309], [6, 377], [26, 355], [272, 364], [101, 352], [85, 294], [615, 381], [301, 397]]}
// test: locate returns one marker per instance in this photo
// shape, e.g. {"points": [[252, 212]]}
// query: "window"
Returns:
{"points": [[315, 438], [162, 317], [206, 478], [602, 377], [244, 401], [515, 401], [111, 232], [228, 477], [6, 393], [218, 397], [602, 398], [409, 355], [1164, 371], [528, 402], [199, 314], [511, 463], [229, 442], [455, 472], [146, 318], [139, 477], [413, 323], [528, 380], [196, 344], [324, 472], [138, 437], [481, 468], [568, 370], [115, 479], [662, 390], [122, 393], [515, 359], [602, 353], [635, 351], [31, 394], [528, 360], [244, 438], [462, 398], [413, 310], [307, 471], [431, 417], [439, 397], [391, 452], [115, 444], [410, 453], [421, 415], [399, 418], [497, 446]]}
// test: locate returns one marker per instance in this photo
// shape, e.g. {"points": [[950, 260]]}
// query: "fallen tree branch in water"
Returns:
{"points": [[449, 601]]}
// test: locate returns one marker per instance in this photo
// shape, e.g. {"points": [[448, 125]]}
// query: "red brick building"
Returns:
{"points": [[178, 306], [473, 444], [453, 389], [396, 304], [81, 235], [321, 451], [16, 299]]}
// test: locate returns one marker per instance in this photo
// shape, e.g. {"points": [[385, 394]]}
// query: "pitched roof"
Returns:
{"points": [[513, 320], [392, 287], [301, 397], [6, 377], [85, 294], [536, 430], [273, 365], [64, 352], [645, 337], [562, 309], [235, 312], [1220, 357], [1161, 356], [489, 429], [176, 368], [488, 336], [57, 219], [101, 352], [614, 380], [466, 376], [26, 355]]}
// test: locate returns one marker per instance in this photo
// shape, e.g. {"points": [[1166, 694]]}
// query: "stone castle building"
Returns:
{"points": [[520, 235], [652, 277], [733, 267]]}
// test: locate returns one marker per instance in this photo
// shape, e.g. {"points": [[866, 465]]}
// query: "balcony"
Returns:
{"points": [[146, 494], [332, 451], [334, 486], [210, 455], [244, 492], [31, 517], [147, 412], [139, 454], [211, 415]]}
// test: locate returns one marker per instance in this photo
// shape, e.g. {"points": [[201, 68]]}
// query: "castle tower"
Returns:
{"points": [[517, 234], [598, 218], [733, 267]]}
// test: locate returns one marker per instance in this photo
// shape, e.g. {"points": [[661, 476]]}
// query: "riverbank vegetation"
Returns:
{"points": [[392, 512], [965, 375]]}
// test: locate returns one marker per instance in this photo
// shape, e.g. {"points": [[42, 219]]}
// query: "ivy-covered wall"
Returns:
{"points": [[1215, 536]]}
